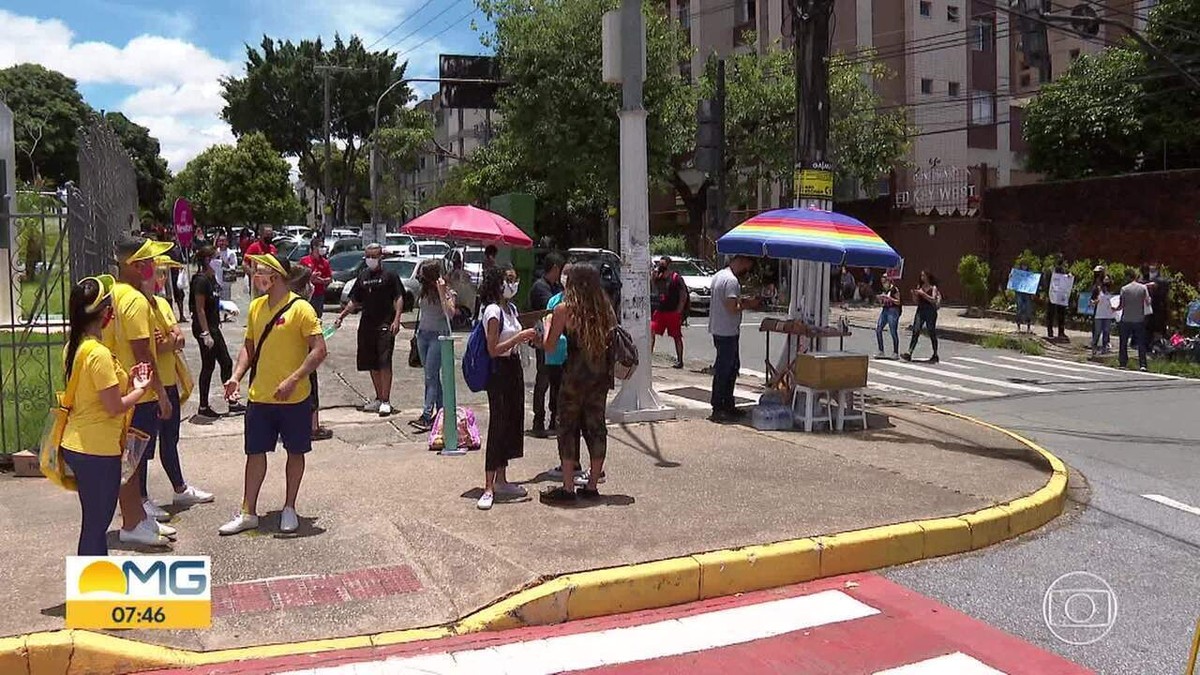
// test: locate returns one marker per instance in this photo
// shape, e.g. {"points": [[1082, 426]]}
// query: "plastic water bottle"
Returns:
{"points": [[328, 331]]}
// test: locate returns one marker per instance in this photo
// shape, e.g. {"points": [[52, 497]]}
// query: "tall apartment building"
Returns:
{"points": [[458, 132], [959, 72]]}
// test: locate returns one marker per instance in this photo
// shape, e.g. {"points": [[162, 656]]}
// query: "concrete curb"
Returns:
{"points": [[604, 592]]}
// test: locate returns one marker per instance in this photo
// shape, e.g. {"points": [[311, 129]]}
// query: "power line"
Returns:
{"points": [[438, 34], [418, 29], [402, 22]]}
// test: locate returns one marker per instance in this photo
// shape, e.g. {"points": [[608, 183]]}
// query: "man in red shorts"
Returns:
{"points": [[670, 295]]}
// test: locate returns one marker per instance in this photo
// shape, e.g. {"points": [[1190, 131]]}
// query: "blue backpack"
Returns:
{"points": [[477, 362]]}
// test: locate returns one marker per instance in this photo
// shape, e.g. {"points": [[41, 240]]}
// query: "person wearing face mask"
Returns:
{"points": [[223, 261], [206, 328], [263, 245], [725, 326], [381, 296], [103, 393], [130, 336], [322, 273], [168, 341], [280, 408], [506, 385], [300, 283]]}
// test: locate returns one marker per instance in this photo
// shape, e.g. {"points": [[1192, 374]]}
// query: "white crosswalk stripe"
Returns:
{"points": [[957, 365], [890, 388], [1045, 360], [1022, 369], [950, 664], [971, 378], [937, 383]]}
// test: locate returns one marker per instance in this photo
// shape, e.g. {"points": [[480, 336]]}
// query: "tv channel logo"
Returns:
{"points": [[157, 592], [1079, 608]]}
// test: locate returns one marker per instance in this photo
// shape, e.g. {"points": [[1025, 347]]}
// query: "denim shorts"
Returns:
{"points": [[268, 423]]}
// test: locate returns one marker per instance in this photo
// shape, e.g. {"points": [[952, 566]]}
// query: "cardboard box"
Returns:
{"points": [[831, 370]]}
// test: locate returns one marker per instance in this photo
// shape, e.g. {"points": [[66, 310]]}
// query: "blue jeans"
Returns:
{"points": [[1137, 331], [98, 480], [1100, 332], [725, 372], [890, 317], [430, 349], [168, 445]]}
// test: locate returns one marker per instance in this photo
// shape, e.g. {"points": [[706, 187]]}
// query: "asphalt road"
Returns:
{"points": [[1133, 441]]}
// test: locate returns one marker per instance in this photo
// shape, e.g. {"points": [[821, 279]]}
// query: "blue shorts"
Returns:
{"points": [[145, 419], [268, 423]]}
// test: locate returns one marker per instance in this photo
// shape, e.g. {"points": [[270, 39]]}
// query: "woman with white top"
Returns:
{"points": [[1102, 295], [506, 385]]}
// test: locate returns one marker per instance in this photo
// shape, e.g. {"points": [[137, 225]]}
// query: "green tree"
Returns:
{"points": [[1089, 122], [282, 96], [1171, 119], [47, 114], [247, 184], [560, 136], [148, 164]]}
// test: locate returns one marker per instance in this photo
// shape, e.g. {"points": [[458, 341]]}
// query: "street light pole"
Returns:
{"points": [[375, 151]]}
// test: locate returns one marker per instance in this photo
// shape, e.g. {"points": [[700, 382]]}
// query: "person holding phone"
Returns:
{"points": [[928, 299], [725, 325], [889, 316]]}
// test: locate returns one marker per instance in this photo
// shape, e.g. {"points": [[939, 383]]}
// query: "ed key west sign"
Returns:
{"points": [[138, 592], [944, 188]]}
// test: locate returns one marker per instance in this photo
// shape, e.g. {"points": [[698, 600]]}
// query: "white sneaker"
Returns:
{"points": [[385, 409], [372, 407], [192, 495], [153, 511], [166, 530], [511, 490], [240, 523], [144, 534], [288, 520], [581, 477], [485, 501]]}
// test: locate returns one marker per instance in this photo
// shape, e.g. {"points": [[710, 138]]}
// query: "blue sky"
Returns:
{"points": [[159, 62]]}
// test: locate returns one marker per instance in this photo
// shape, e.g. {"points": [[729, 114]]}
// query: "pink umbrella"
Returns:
{"points": [[467, 223]]}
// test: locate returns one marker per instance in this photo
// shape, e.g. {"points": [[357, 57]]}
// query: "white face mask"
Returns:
{"points": [[510, 289], [324, 250], [373, 263]]}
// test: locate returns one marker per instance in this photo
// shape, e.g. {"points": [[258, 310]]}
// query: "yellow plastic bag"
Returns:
{"points": [[184, 375], [50, 458]]}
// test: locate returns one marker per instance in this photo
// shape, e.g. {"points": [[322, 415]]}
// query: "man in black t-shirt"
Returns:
{"points": [[381, 296], [548, 377], [667, 317]]}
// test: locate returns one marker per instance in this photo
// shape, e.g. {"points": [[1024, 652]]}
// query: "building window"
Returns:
{"points": [[1074, 55], [745, 12], [1024, 80], [952, 14], [685, 15], [983, 108], [926, 9], [926, 86], [952, 88], [983, 34]]}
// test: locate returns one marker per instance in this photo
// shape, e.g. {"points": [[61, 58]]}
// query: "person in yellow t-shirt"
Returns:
{"points": [[103, 395], [279, 406], [167, 340], [130, 337]]}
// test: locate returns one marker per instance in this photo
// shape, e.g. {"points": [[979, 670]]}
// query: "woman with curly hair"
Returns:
{"points": [[506, 385], [586, 316]]}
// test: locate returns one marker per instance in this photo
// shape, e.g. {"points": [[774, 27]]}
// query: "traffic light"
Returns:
{"points": [[710, 137]]}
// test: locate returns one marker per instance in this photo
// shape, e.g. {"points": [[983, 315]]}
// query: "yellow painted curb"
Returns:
{"points": [[607, 591]]}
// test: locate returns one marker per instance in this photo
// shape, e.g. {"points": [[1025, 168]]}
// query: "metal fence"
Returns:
{"points": [[57, 237]]}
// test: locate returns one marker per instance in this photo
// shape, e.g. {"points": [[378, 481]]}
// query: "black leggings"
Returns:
{"points": [[506, 413], [209, 358], [926, 318]]}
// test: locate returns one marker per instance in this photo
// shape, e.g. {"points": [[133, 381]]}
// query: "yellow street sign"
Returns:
{"points": [[814, 184]]}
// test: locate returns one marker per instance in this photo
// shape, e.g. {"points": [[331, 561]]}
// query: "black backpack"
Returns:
{"points": [[623, 353]]}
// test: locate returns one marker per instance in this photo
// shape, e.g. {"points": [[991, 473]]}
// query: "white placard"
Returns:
{"points": [[1060, 288]]}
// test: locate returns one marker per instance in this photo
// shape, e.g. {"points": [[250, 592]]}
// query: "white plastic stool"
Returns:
{"points": [[852, 405], [812, 406]]}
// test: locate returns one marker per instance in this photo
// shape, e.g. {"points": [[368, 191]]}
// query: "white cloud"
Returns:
{"points": [[178, 93]]}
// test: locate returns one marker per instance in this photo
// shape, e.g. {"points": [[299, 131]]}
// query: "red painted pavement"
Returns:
{"points": [[909, 628], [326, 589]]}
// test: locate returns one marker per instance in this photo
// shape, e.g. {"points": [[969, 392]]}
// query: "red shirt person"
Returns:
{"points": [[260, 246], [322, 273], [667, 317]]}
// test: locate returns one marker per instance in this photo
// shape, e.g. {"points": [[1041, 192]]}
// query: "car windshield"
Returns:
{"points": [[473, 256], [394, 239], [401, 268], [431, 249], [344, 261], [686, 268]]}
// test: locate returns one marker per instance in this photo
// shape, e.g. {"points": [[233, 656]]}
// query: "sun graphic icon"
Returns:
{"points": [[102, 576]]}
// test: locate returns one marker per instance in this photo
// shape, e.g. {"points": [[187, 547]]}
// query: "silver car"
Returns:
{"points": [[403, 267]]}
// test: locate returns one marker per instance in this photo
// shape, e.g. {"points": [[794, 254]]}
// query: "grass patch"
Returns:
{"points": [[1024, 345], [1177, 368], [55, 301], [30, 373]]}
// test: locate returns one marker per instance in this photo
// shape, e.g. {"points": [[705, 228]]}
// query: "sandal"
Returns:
{"points": [[587, 493], [559, 496]]}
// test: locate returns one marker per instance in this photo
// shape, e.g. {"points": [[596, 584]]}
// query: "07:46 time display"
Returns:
{"points": [[138, 615]]}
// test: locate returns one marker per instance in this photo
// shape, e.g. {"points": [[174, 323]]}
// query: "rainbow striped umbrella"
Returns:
{"points": [[809, 234]]}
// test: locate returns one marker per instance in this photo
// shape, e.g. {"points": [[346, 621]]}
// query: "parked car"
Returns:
{"points": [[472, 261], [403, 267], [428, 249], [346, 244], [342, 233], [396, 243], [607, 263], [346, 267], [698, 282]]}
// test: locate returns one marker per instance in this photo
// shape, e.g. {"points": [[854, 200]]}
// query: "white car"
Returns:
{"points": [[395, 243], [428, 249], [472, 261]]}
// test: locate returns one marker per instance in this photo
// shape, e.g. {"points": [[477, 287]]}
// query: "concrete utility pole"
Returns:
{"points": [[813, 178], [637, 400], [327, 72]]}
